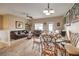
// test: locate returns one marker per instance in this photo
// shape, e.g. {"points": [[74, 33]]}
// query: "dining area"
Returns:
{"points": [[58, 44], [51, 44]]}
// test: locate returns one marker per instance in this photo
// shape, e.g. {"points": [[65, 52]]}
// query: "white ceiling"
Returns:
{"points": [[34, 9]]}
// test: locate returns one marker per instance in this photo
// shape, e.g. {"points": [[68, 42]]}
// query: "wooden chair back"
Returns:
{"points": [[74, 38]]}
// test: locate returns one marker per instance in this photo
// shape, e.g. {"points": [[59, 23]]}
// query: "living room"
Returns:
{"points": [[21, 24]]}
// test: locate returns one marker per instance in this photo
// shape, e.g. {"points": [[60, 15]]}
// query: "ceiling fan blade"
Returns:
{"points": [[29, 16], [21, 13]]}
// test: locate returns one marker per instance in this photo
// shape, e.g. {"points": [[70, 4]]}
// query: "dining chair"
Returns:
{"points": [[46, 47], [36, 44], [72, 48]]}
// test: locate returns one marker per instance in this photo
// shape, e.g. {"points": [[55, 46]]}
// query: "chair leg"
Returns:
{"points": [[39, 48], [33, 45]]}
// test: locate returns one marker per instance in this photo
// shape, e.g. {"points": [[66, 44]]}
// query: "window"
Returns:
{"points": [[38, 26], [50, 27]]}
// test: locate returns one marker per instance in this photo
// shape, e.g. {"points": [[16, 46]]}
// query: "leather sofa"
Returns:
{"points": [[18, 34], [37, 33]]}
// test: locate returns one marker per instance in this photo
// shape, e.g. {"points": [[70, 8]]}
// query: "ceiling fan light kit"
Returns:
{"points": [[47, 13], [51, 11]]}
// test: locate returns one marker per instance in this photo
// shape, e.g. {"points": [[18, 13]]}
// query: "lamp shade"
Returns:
{"points": [[51, 11], [45, 11]]}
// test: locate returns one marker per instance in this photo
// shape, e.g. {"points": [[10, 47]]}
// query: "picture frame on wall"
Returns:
{"points": [[19, 24], [58, 24]]}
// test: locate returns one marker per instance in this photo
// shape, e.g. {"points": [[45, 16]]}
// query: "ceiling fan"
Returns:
{"points": [[22, 13], [30, 17]]}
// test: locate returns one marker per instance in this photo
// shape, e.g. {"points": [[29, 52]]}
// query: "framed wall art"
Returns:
{"points": [[19, 24]]}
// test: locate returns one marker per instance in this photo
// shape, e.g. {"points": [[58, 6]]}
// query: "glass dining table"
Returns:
{"points": [[57, 41]]}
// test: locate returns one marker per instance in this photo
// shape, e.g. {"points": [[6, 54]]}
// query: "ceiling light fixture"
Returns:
{"points": [[48, 11]]}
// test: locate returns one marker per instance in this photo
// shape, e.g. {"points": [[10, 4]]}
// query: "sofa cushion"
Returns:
{"points": [[16, 33]]}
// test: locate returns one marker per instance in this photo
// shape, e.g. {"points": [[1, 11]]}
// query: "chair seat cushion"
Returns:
{"points": [[48, 52]]}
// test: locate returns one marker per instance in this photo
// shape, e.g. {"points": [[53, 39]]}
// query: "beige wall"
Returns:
{"points": [[1, 22], [10, 20], [73, 28], [4, 36], [53, 20], [8, 24], [5, 22]]}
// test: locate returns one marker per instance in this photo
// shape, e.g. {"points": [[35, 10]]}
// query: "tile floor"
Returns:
{"points": [[21, 47]]}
